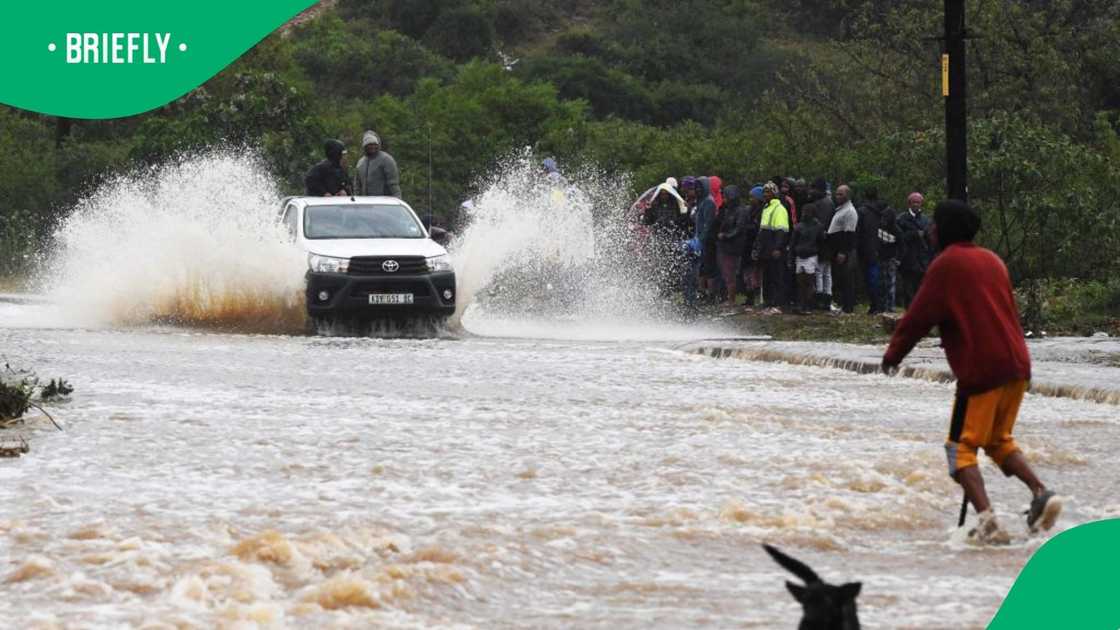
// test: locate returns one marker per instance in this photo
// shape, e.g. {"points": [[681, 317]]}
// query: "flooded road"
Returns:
{"points": [[214, 480]]}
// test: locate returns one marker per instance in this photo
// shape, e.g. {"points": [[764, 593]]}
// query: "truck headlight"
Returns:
{"points": [[439, 263], [327, 264]]}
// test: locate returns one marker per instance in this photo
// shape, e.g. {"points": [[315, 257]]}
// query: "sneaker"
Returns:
{"points": [[1044, 511], [988, 531]]}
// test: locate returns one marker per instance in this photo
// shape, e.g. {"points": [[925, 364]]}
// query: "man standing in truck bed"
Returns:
{"points": [[377, 173], [328, 178], [967, 294]]}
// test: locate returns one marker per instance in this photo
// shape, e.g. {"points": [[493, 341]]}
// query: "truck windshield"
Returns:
{"points": [[360, 221]]}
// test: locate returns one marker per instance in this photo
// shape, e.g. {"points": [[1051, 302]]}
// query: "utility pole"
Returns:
{"points": [[954, 87]]}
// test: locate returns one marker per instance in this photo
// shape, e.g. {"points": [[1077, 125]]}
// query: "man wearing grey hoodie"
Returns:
{"points": [[377, 173]]}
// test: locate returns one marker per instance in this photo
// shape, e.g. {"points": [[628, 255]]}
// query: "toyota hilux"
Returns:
{"points": [[369, 258]]}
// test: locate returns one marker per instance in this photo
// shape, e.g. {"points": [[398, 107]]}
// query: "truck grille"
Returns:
{"points": [[371, 265], [361, 289]]}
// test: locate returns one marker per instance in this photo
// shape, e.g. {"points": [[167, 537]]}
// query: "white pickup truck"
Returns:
{"points": [[369, 258]]}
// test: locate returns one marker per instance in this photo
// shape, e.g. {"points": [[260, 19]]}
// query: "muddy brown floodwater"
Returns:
{"points": [[214, 480]]}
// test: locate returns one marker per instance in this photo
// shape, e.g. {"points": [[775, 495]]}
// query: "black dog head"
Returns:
{"points": [[826, 607]]}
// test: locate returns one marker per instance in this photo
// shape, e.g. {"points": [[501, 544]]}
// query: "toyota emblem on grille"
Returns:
{"points": [[390, 266]]}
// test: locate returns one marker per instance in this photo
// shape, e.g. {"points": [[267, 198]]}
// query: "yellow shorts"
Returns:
{"points": [[984, 421]]}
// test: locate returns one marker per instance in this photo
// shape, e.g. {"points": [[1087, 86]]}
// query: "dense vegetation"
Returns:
{"points": [[847, 89]]}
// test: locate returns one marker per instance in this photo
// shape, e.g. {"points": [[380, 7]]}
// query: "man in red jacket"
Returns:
{"points": [[967, 294]]}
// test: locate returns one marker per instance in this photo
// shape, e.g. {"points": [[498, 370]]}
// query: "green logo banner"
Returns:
{"points": [[1070, 582], [111, 59]]}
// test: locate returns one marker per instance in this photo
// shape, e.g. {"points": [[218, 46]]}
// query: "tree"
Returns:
{"points": [[462, 34]]}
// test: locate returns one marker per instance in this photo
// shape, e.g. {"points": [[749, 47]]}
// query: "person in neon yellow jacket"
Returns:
{"points": [[770, 246]]}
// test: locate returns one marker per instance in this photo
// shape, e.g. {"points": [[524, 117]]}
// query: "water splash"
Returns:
{"points": [[194, 242], [557, 258], [523, 232]]}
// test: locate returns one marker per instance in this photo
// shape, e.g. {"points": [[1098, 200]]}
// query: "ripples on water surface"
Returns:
{"points": [[214, 480]]}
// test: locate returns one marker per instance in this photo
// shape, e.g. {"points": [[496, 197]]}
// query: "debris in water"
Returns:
{"points": [[13, 446], [21, 390]]}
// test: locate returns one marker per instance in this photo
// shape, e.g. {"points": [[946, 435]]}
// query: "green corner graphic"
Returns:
{"points": [[1070, 582], [112, 59]]}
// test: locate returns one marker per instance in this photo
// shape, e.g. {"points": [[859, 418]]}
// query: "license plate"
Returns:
{"points": [[390, 298]]}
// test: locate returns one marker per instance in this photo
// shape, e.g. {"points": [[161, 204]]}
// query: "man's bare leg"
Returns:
{"points": [[1016, 465], [973, 483]]}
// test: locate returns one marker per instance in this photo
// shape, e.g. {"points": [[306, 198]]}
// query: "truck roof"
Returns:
{"points": [[334, 201]]}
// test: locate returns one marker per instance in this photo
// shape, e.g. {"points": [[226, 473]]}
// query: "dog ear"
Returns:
{"points": [[796, 590], [796, 567], [850, 590]]}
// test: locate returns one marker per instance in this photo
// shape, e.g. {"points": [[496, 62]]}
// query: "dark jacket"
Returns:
{"points": [[914, 235], [752, 220], [888, 234], [326, 178], [665, 218], [705, 209], [807, 237], [824, 209], [867, 232], [708, 263], [734, 225]]}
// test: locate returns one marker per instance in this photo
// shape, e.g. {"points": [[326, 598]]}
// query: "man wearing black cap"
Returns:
{"points": [[329, 178], [967, 294]]}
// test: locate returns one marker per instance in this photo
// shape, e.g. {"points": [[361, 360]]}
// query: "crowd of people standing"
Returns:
{"points": [[797, 247]]}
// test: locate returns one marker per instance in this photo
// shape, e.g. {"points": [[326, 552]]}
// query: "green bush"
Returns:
{"points": [[1071, 306], [585, 43], [29, 187], [351, 61], [411, 17], [462, 34], [517, 21], [607, 90]]}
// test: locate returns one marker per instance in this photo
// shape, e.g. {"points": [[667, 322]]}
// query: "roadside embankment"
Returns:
{"points": [[1076, 368]]}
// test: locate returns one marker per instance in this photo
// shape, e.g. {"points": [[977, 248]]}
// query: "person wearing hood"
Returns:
{"points": [[716, 185], [785, 186], [841, 241], [704, 266], [770, 246], [913, 228], [730, 239], [667, 214], [800, 194], [377, 173], [710, 279], [667, 218], [328, 178], [967, 294], [750, 271]]}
